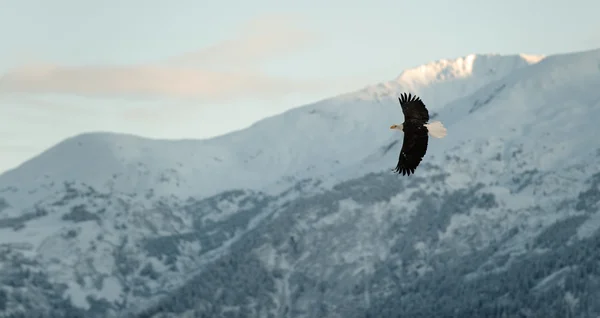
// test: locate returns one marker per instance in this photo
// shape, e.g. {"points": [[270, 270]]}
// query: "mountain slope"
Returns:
{"points": [[503, 220], [514, 185]]}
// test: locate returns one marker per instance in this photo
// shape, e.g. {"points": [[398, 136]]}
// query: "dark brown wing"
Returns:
{"points": [[413, 149], [413, 108]]}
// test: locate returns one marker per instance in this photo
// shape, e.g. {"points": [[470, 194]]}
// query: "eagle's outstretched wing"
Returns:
{"points": [[413, 149], [413, 108]]}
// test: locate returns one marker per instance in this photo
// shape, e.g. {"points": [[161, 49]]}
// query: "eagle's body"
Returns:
{"points": [[416, 128]]}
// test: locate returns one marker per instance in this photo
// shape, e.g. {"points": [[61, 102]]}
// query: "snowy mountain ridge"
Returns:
{"points": [[448, 79], [501, 217], [329, 124]]}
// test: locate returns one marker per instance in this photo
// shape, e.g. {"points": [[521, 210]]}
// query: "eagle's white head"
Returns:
{"points": [[398, 127]]}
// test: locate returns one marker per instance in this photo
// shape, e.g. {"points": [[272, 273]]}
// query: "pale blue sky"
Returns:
{"points": [[349, 44]]}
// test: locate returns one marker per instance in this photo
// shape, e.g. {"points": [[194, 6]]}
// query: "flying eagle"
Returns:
{"points": [[416, 130]]}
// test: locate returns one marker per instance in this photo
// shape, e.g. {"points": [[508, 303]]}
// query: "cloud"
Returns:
{"points": [[227, 70], [259, 40], [145, 81]]}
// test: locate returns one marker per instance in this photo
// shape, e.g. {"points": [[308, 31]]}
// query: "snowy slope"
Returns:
{"points": [[128, 220], [501, 219], [518, 175]]}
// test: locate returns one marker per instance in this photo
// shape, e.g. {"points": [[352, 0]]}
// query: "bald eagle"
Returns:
{"points": [[416, 128]]}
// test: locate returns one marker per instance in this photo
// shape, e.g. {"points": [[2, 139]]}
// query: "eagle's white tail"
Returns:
{"points": [[436, 129]]}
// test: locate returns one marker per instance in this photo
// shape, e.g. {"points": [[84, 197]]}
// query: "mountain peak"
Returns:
{"points": [[445, 80], [464, 66]]}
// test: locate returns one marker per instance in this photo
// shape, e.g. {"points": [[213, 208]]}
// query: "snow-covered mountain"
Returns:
{"points": [[299, 215], [303, 142]]}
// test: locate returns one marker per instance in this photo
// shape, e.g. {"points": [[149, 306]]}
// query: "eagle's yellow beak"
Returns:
{"points": [[393, 126]]}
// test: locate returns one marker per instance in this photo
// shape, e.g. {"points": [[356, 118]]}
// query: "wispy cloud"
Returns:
{"points": [[258, 41], [227, 70]]}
